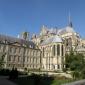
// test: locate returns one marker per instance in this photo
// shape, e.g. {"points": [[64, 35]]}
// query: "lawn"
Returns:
{"points": [[60, 82], [40, 80]]}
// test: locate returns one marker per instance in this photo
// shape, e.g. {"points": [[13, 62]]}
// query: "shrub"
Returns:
{"points": [[4, 72], [75, 74]]}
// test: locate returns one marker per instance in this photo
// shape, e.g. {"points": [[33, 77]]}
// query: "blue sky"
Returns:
{"points": [[29, 15]]}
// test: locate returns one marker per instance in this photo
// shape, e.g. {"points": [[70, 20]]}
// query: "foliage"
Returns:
{"points": [[76, 75], [2, 60], [83, 73], [41, 80], [76, 63], [1, 63], [61, 82], [4, 72]]}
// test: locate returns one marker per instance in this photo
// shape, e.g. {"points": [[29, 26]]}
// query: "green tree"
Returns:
{"points": [[2, 60], [76, 64], [75, 75]]}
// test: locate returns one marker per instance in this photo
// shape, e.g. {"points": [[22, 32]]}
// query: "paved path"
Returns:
{"points": [[81, 82], [4, 81]]}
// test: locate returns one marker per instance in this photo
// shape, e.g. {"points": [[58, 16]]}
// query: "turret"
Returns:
{"points": [[25, 35]]}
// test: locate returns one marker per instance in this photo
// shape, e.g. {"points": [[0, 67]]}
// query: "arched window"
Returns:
{"points": [[69, 42], [62, 50], [53, 50], [58, 49]]}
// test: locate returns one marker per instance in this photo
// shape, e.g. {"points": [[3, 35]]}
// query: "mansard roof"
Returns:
{"points": [[53, 39], [11, 40]]}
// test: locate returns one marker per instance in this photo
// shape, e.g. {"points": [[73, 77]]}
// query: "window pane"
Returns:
{"points": [[54, 50]]}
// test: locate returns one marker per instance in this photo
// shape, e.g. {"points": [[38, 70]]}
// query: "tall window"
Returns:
{"points": [[54, 50], [18, 58], [14, 57], [62, 50], [0, 46], [58, 49], [9, 58], [15, 50], [69, 42], [11, 49], [4, 48], [43, 51], [58, 66]]}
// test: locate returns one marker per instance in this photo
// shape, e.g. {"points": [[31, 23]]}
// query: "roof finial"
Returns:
{"points": [[70, 22]]}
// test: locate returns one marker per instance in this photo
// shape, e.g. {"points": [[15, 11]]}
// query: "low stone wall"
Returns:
{"points": [[80, 82], [53, 74]]}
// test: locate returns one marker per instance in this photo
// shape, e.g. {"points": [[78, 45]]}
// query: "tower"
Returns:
{"points": [[25, 35]]}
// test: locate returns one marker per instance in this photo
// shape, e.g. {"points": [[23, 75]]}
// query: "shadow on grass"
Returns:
{"points": [[34, 80]]}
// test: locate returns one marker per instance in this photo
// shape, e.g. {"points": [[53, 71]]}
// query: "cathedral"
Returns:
{"points": [[54, 43]]}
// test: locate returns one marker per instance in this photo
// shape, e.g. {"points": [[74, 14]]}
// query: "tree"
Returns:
{"points": [[68, 59], [2, 60], [74, 61], [76, 64], [75, 74]]}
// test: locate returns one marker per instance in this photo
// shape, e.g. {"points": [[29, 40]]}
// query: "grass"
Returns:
{"points": [[60, 82], [40, 80]]}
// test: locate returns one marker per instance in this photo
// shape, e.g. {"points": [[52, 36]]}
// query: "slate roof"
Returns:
{"points": [[67, 29], [12, 40], [52, 39]]}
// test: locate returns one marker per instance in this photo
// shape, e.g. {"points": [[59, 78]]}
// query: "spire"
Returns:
{"points": [[70, 22]]}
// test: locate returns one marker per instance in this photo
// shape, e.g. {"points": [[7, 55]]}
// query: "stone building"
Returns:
{"points": [[56, 40], [19, 53], [52, 54], [45, 51]]}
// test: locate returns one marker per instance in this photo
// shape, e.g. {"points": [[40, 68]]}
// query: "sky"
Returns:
{"points": [[17, 16]]}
